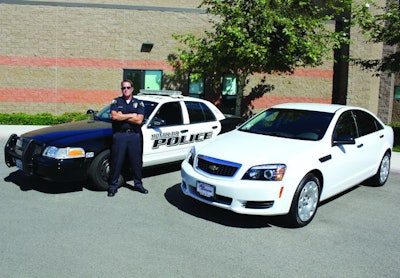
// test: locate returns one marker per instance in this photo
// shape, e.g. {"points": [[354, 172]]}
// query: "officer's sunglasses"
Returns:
{"points": [[123, 88]]}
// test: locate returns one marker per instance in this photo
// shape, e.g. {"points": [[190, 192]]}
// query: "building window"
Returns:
{"points": [[144, 79], [397, 92], [229, 90], [196, 88]]}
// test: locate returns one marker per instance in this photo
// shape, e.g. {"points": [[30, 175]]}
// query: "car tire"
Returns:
{"points": [[382, 174], [305, 201], [99, 171]]}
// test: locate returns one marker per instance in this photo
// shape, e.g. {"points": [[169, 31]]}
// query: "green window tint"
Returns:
{"points": [[144, 79], [230, 86], [152, 79], [196, 87]]}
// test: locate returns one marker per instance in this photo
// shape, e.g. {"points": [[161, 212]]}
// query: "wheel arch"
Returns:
{"points": [[386, 151], [320, 177]]}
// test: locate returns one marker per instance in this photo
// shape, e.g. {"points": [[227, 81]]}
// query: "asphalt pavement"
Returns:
{"points": [[69, 230], [7, 130]]}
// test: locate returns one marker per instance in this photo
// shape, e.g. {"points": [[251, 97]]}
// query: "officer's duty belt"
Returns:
{"points": [[128, 130]]}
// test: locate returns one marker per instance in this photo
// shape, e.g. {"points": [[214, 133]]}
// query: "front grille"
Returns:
{"points": [[217, 167]]}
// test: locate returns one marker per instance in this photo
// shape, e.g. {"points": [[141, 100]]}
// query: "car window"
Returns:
{"points": [[104, 114], [366, 123], [290, 123], [149, 107], [199, 112], [171, 113], [345, 127]]}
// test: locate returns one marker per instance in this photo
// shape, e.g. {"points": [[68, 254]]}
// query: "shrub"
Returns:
{"points": [[40, 119]]}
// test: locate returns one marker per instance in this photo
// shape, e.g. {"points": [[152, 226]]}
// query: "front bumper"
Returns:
{"points": [[26, 155], [240, 196]]}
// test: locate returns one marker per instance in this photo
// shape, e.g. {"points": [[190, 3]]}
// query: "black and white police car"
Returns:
{"points": [[80, 150]]}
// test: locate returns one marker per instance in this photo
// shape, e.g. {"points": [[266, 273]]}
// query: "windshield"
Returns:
{"points": [[104, 114], [289, 123]]}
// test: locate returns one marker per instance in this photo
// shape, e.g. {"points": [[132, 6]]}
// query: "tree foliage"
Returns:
{"points": [[380, 24], [259, 36]]}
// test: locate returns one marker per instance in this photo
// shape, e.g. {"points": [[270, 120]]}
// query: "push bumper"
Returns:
{"points": [[26, 155]]}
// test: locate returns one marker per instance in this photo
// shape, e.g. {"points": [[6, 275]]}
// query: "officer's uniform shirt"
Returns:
{"points": [[134, 106]]}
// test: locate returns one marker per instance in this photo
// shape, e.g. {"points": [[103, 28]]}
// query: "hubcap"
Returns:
{"points": [[308, 201], [385, 169], [105, 170]]}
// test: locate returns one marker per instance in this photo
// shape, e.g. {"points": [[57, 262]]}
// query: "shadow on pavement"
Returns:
{"points": [[196, 208], [161, 169], [26, 183]]}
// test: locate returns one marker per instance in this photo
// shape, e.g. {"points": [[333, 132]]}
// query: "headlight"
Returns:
{"points": [[63, 153], [268, 172], [190, 156]]}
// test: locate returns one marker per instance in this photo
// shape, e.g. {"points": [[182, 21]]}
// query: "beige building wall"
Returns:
{"points": [[363, 86], [60, 53], [69, 56]]}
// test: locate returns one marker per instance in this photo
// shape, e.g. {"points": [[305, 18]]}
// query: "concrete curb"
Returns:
{"points": [[7, 130]]}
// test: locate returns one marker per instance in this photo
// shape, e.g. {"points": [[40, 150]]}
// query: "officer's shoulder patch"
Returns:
{"points": [[114, 101], [141, 104]]}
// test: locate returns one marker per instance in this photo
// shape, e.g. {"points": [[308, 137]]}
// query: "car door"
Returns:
{"points": [[343, 168], [164, 134], [203, 124], [370, 139]]}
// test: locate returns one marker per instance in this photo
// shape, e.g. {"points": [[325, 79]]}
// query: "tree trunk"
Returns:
{"points": [[241, 84], [341, 66]]}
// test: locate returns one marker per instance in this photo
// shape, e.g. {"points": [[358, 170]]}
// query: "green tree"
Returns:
{"points": [[259, 36], [380, 24]]}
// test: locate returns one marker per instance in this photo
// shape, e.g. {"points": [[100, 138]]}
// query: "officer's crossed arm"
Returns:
{"points": [[136, 118], [133, 118]]}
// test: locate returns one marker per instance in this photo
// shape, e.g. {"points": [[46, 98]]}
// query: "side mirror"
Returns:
{"points": [[343, 140], [90, 115], [156, 122]]}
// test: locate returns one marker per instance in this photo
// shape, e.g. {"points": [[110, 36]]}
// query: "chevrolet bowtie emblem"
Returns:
{"points": [[213, 168]]}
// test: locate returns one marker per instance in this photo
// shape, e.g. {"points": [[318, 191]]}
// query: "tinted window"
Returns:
{"points": [[297, 124], [171, 113], [366, 122], [345, 127], [199, 112], [105, 115]]}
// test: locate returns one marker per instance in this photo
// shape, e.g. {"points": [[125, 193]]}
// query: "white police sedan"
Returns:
{"points": [[288, 158], [80, 150]]}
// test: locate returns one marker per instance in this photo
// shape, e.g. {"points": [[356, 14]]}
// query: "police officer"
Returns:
{"points": [[127, 114]]}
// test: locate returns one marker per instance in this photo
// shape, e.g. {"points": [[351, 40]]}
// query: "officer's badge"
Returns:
{"points": [[135, 105]]}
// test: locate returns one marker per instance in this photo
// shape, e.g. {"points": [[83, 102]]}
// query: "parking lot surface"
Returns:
{"points": [[70, 230]]}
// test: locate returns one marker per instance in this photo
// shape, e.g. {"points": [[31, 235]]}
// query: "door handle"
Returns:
{"points": [[215, 127], [184, 131], [360, 146]]}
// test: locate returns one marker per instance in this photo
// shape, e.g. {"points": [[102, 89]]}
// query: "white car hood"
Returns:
{"points": [[255, 149]]}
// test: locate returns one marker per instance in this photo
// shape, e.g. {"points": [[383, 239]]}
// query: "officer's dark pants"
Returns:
{"points": [[124, 145]]}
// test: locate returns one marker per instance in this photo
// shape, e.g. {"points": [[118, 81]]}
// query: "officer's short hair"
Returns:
{"points": [[127, 80]]}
